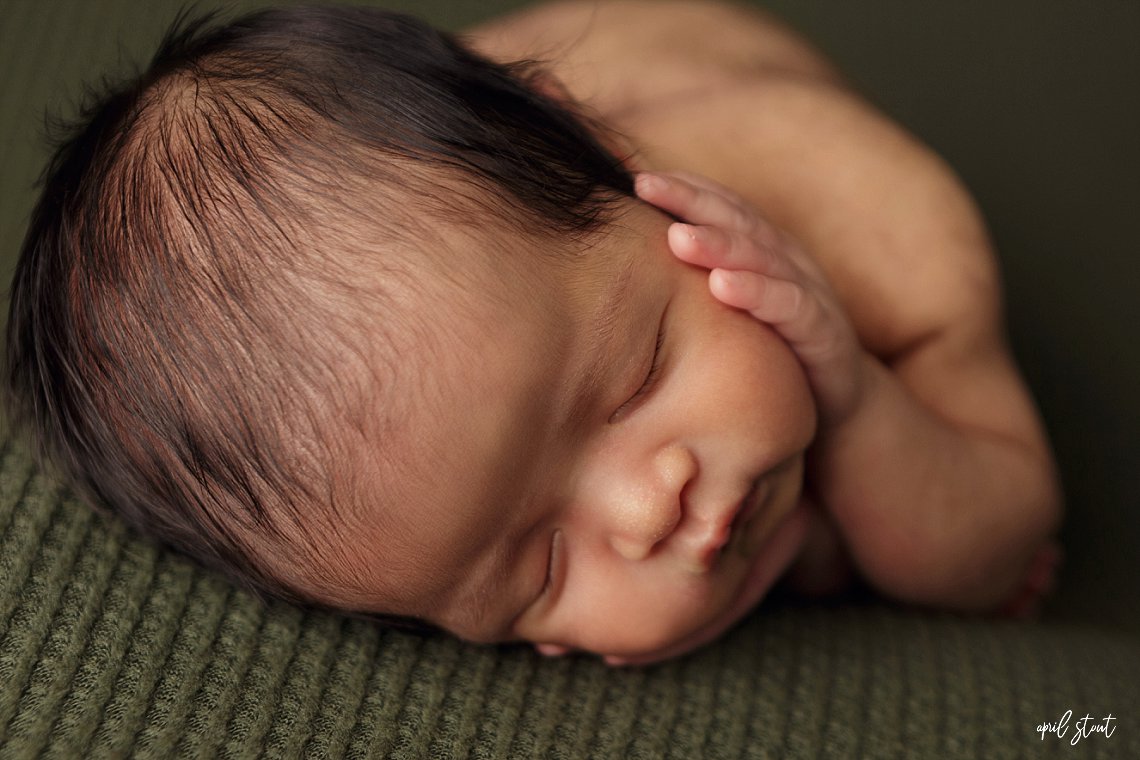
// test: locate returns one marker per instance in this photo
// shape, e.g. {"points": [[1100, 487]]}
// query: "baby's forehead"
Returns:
{"points": [[514, 343], [484, 265]]}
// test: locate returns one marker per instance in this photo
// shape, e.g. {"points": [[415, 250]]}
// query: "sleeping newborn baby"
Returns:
{"points": [[589, 353]]}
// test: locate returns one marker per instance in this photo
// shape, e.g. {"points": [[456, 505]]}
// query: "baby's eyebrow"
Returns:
{"points": [[603, 326]]}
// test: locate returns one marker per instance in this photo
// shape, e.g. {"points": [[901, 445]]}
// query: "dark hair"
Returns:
{"points": [[163, 338]]}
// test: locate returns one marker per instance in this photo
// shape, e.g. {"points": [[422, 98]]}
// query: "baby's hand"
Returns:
{"points": [[757, 268]]}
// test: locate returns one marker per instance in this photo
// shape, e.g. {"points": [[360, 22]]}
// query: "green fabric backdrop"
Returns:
{"points": [[111, 647]]}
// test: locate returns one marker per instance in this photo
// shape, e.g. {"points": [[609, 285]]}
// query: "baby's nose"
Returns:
{"points": [[650, 508]]}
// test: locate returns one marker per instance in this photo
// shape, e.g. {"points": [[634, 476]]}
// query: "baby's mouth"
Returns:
{"points": [[750, 506], [735, 538]]}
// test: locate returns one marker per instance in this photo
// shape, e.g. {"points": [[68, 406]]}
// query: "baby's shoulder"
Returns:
{"points": [[730, 92], [623, 55], [894, 228]]}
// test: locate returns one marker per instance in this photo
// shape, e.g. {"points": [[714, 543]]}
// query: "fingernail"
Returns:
{"points": [[689, 235], [649, 183], [727, 277], [688, 230]]}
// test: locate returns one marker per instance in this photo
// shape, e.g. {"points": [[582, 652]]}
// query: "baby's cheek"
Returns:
{"points": [[615, 613]]}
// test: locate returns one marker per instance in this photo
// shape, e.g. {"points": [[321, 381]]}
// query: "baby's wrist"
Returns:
{"points": [[865, 391]]}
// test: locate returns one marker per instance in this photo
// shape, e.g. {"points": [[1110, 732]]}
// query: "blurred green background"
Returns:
{"points": [[1036, 105]]}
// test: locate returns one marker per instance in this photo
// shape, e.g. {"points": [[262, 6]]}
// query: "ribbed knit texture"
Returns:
{"points": [[111, 647]]}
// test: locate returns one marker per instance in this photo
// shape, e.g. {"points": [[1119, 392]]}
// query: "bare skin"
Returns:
{"points": [[937, 485]]}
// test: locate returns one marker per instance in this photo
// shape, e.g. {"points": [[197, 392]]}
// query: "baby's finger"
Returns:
{"points": [[712, 248], [788, 307], [780, 303], [706, 183], [695, 204], [820, 340]]}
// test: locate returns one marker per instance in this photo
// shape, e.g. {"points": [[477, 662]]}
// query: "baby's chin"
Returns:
{"points": [[771, 560]]}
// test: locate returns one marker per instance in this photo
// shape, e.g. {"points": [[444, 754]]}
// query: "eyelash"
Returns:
{"points": [[555, 540], [650, 378], [655, 366]]}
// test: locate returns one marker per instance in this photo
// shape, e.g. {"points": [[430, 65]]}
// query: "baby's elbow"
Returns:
{"points": [[988, 561], [997, 570]]}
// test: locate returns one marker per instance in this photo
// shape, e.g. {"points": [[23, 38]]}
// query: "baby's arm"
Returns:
{"points": [[933, 469]]}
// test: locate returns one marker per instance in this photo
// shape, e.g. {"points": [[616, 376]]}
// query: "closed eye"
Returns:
{"points": [[552, 562], [655, 366], [650, 377]]}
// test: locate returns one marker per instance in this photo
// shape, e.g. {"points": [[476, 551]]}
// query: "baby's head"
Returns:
{"points": [[369, 322]]}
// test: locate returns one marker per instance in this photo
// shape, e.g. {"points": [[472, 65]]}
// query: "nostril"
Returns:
{"points": [[644, 523], [650, 509], [630, 549], [639, 543]]}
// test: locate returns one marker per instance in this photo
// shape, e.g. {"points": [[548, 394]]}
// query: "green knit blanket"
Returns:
{"points": [[113, 647]]}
